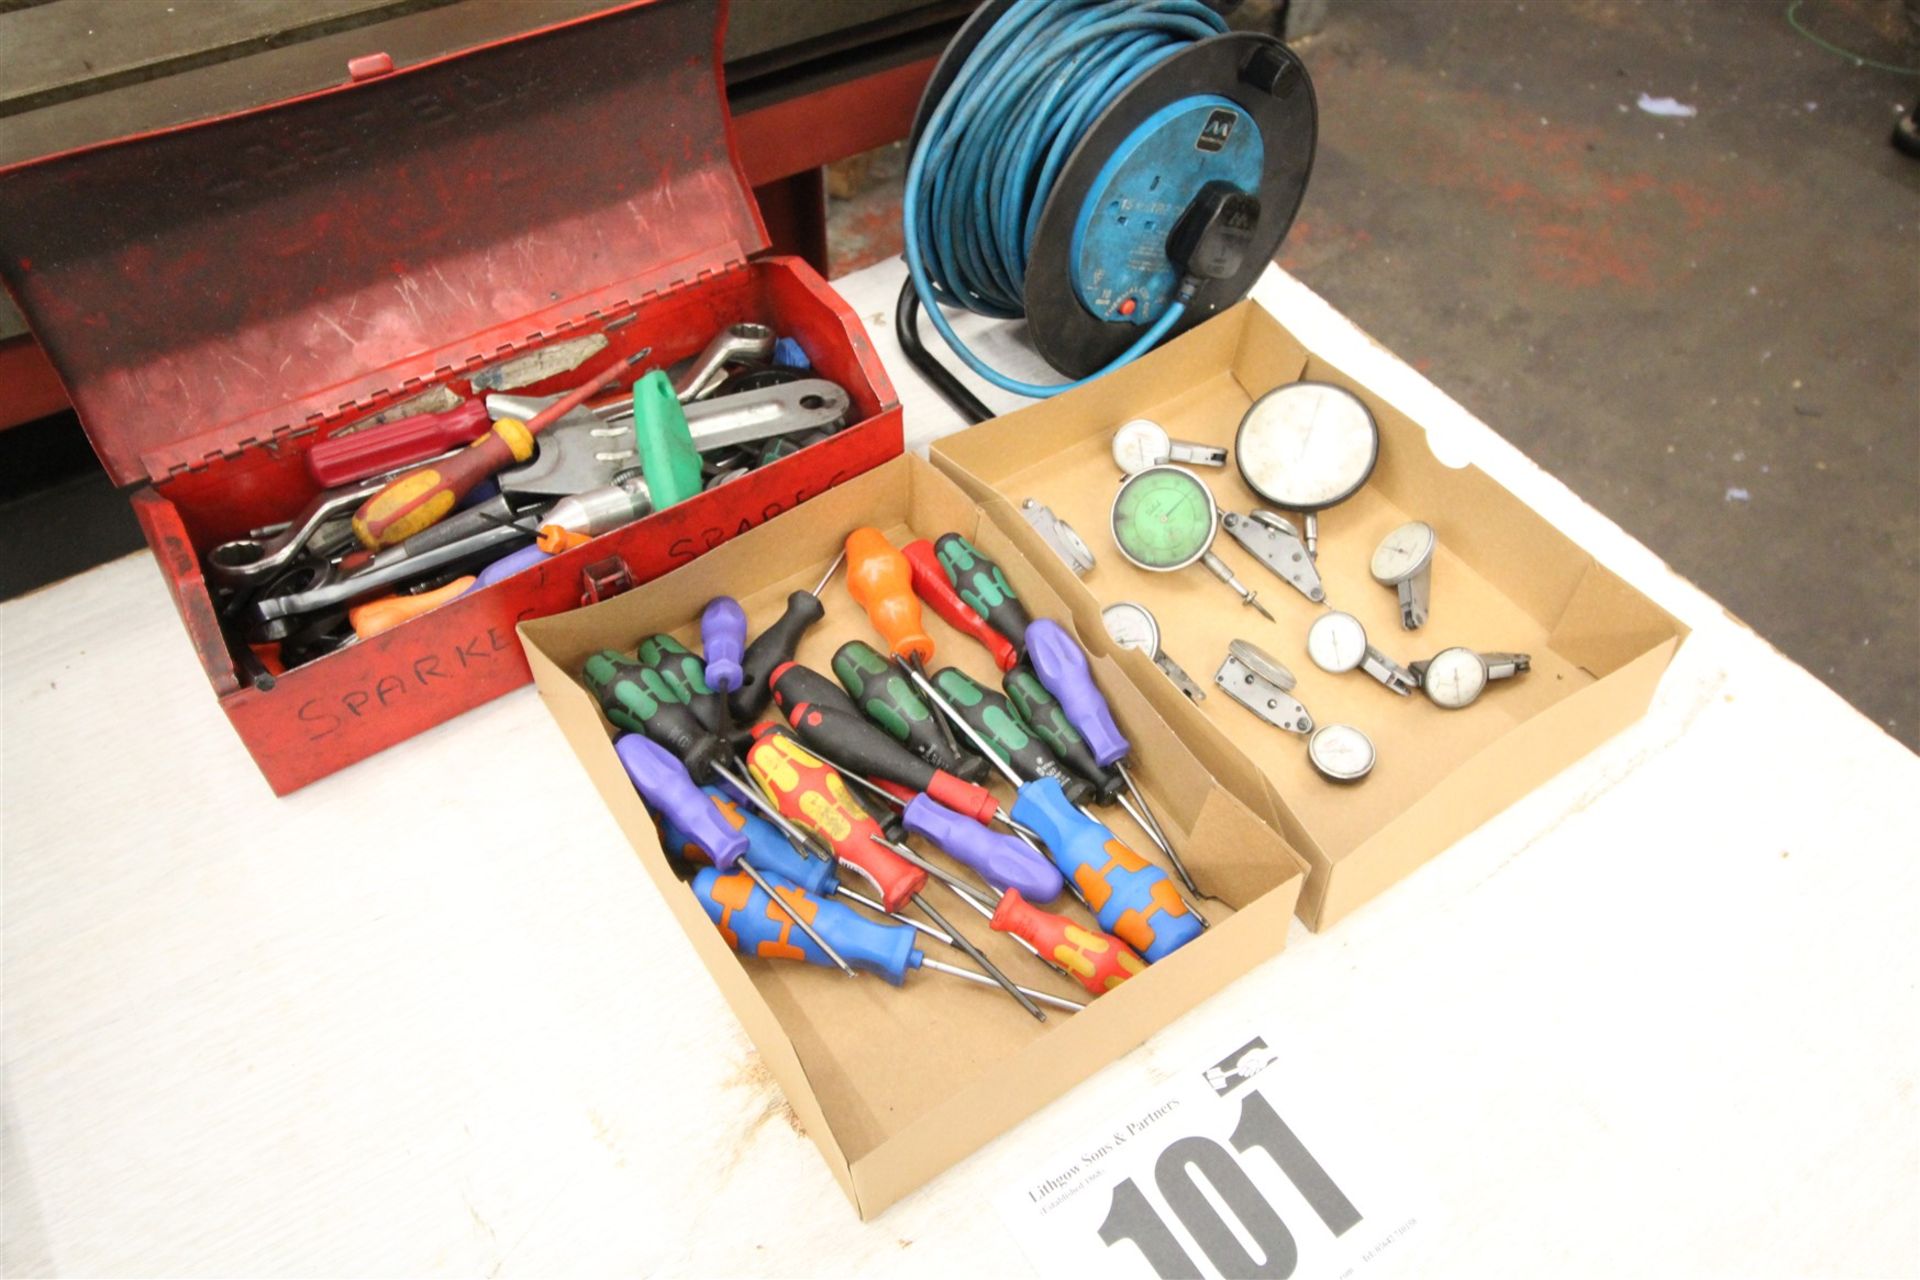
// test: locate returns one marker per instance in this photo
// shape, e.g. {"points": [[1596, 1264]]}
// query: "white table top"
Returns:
{"points": [[1661, 1016]]}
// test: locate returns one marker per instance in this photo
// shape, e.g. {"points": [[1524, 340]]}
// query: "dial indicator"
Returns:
{"points": [[1164, 518], [1340, 752]]}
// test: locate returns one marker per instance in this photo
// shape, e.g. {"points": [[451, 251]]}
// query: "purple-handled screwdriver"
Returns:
{"points": [[723, 639], [1062, 667], [1002, 861], [664, 783]]}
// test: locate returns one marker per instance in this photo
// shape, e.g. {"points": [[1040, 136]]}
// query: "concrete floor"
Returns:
{"points": [[1708, 327]]}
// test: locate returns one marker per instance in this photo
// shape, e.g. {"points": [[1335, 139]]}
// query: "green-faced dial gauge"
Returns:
{"points": [[1164, 518]]}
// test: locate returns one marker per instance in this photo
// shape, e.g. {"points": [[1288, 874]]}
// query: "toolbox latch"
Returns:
{"points": [[604, 579], [369, 65]]}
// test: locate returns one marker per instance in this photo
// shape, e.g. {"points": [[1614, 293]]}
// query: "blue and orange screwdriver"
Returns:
{"points": [[1062, 667], [1130, 897], [664, 783], [760, 923], [774, 855]]}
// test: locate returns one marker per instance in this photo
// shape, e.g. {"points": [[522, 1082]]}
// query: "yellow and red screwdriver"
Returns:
{"points": [[422, 498], [1097, 961], [814, 796]]}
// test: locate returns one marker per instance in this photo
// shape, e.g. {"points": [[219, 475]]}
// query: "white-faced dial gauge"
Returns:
{"points": [[1453, 678], [1132, 626], [1340, 752], [1337, 642], [1306, 446], [1144, 443], [1164, 519], [1404, 561]]}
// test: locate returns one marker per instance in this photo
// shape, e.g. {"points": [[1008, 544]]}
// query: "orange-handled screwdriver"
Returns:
{"points": [[880, 578], [386, 613], [421, 498]]}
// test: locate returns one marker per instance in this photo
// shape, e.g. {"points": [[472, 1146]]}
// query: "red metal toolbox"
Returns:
{"points": [[220, 297]]}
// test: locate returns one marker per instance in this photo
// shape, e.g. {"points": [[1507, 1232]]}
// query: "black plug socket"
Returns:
{"points": [[1210, 240]]}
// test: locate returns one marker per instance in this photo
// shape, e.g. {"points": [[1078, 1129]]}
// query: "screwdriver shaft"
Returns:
{"points": [[873, 904], [1046, 998], [939, 700], [1151, 824], [804, 841], [960, 887], [794, 916], [831, 570], [979, 957], [973, 899], [940, 722]]}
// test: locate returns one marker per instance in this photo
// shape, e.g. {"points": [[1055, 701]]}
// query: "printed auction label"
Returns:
{"points": [[1230, 1169]]}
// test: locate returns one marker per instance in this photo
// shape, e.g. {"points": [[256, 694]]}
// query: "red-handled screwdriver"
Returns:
{"points": [[931, 584], [369, 451], [867, 749], [1097, 961]]}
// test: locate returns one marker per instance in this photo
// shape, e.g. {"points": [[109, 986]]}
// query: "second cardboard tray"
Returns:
{"points": [[1504, 578]]}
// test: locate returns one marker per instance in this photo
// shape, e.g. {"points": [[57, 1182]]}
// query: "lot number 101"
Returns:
{"points": [[1131, 1216]]}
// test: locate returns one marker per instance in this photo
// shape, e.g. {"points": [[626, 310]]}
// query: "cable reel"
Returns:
{"points": [[1115, 171]]}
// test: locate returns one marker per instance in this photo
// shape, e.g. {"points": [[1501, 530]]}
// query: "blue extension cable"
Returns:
{"points": [[995, 144]]}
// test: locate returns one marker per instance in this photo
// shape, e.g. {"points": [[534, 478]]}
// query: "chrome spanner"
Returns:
{"points": [[263, 554], [248, 560], [807, 404], [735, 344], [385, 572]]}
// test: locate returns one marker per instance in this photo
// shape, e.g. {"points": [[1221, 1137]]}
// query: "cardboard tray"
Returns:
{"points": [[221, 296], [894, 1086], [1503, 579]]}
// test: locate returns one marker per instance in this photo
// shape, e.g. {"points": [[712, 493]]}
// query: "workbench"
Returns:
{"points": [[1659, 1017]]}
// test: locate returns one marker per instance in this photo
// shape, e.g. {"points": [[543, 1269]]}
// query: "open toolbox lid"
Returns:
{"points": [[210, 286]]}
